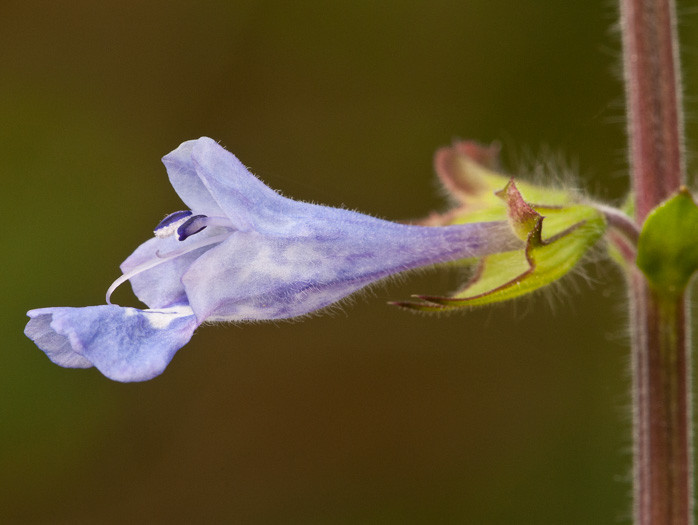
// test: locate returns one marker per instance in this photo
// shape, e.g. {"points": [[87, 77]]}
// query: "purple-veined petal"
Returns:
{"points": [[245, 200], [56, 346], [252, 276], [125, 344], [186, 182]]}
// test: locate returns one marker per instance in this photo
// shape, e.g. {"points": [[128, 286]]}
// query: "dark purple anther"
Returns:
{"points": [[170, 223], [193, 225]]}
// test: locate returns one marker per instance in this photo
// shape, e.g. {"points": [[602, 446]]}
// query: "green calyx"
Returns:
{"points": [[557, 231], [667, 251]]}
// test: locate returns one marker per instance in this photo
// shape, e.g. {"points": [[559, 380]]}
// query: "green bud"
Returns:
{"points": [[667, 252], [467, 171]]}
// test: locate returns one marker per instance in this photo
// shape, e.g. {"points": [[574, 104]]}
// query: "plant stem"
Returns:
{"points": [[662, 403], [663, 486], [619, 221], [653, 93]]}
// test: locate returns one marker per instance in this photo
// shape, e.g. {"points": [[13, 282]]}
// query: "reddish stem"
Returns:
{"points": [[663, 484], [662, 401], [653, 92]]}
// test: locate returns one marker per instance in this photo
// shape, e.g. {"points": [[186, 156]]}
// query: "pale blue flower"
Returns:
{"points": [[242, 252]]}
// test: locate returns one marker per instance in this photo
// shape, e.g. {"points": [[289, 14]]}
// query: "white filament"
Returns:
{"points": [[162, 258]]}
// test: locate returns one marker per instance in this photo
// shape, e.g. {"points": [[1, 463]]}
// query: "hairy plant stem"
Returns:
{"points": [[662, 401], [663, 486], [653, 93]]}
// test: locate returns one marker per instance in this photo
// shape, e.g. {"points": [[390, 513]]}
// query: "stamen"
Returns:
{"points": [[193, 246], [198, 222], [191, 226], [168, 226], [162, 258]]}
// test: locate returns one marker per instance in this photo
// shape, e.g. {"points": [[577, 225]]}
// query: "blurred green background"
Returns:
{"points": [[517, 414]]}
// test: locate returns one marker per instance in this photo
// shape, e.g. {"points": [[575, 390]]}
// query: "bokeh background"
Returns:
{"points": [[517, 414]]}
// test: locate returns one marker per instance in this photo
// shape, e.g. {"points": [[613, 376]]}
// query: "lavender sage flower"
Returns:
{"points": [[241, 252]]}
